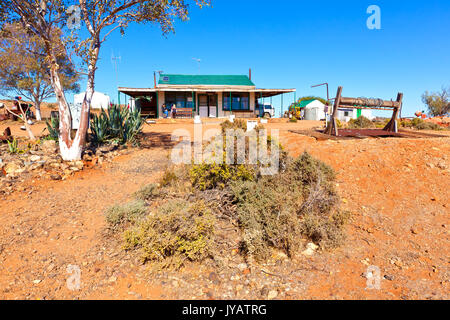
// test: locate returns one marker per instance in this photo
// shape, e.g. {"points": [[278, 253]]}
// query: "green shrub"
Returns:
{"points": [[361, 122], [177, 232], [118, 123], [147, 192], [210, 176], [293, 119], [118, 215]]}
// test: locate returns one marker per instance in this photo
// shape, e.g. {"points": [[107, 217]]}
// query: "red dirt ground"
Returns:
{"points": [[396, 189]]}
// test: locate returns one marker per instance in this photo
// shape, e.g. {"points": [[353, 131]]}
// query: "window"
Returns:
{"points": [[181, 99], [239, 101]]}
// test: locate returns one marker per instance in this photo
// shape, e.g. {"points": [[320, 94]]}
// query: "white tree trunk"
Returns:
{"points": [[38, 113]]}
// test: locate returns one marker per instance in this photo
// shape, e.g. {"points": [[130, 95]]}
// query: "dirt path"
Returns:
{"points": [[396, 189], [55, 224]]}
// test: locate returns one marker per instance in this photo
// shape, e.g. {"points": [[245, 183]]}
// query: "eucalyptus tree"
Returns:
{"points": [[23, 68], [98, 19]]}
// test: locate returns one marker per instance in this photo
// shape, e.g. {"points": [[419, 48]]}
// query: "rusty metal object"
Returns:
{"points": [[362, 103], [6, 135]]}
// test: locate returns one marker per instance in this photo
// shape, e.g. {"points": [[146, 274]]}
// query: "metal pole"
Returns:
{"points": [[282, 105], [323, 84]]}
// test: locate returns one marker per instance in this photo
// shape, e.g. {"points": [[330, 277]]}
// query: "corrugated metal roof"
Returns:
{"points": [[218, 80]]}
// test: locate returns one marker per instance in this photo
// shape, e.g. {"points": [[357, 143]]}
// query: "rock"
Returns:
{"points": [[414, 230], [442, 165], [37, 281], [49, 146], [13, 168], [311, 248], [272, 294], [214, 278], [35, 158], [106, 149], [264, 291], [55, 177], [242, 267], [389, 277]]}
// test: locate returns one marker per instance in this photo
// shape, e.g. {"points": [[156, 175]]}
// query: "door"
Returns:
{"points": [[207, 105], [212, 103], [203, 105]]}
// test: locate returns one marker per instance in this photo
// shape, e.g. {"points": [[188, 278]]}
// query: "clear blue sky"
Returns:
{"points": [[295, 44]]}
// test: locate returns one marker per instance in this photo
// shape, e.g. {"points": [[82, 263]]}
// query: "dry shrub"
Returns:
{"points": [[420, 124], [278, 211], [169, 178], [147, 192], [210, 176], [177, 232], [119, 215], [236, 125], [361, 123]]}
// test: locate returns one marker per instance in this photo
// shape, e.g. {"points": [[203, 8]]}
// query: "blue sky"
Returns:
{"points": [[295, 44]]}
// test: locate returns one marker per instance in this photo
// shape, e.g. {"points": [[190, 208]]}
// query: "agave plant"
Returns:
{"points": [[53, 128], [13, 146], [100, 127], [116, 124]]}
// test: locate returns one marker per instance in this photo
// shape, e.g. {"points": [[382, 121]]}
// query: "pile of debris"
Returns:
{"points": [[442, 121], [42, 160]]}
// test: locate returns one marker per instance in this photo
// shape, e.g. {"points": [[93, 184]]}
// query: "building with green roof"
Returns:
{"points": [[213, 96]]}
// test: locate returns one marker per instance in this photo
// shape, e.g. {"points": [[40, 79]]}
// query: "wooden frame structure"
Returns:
{"points": [[363, 103]]}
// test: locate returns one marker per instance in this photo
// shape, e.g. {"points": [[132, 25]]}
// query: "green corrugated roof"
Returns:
{"points": [[217, 80], [304, 103]]}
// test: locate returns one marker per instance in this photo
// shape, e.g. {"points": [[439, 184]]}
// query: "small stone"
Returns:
{"points": [[310, 249], [49, 146], [442, 165], [37, 281], [112, 279], [35, 158], [389, 277], [214, 278], [272, 294], [264, 291], [242, 267], [414, 231], [13, 168], [55, 177]]}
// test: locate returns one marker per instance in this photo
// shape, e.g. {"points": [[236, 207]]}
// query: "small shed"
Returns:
{"points": [[99, 100], [314, 110]]}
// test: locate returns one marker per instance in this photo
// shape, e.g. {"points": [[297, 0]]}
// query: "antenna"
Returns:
{"points": [[199, 62], [115, 61]]}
